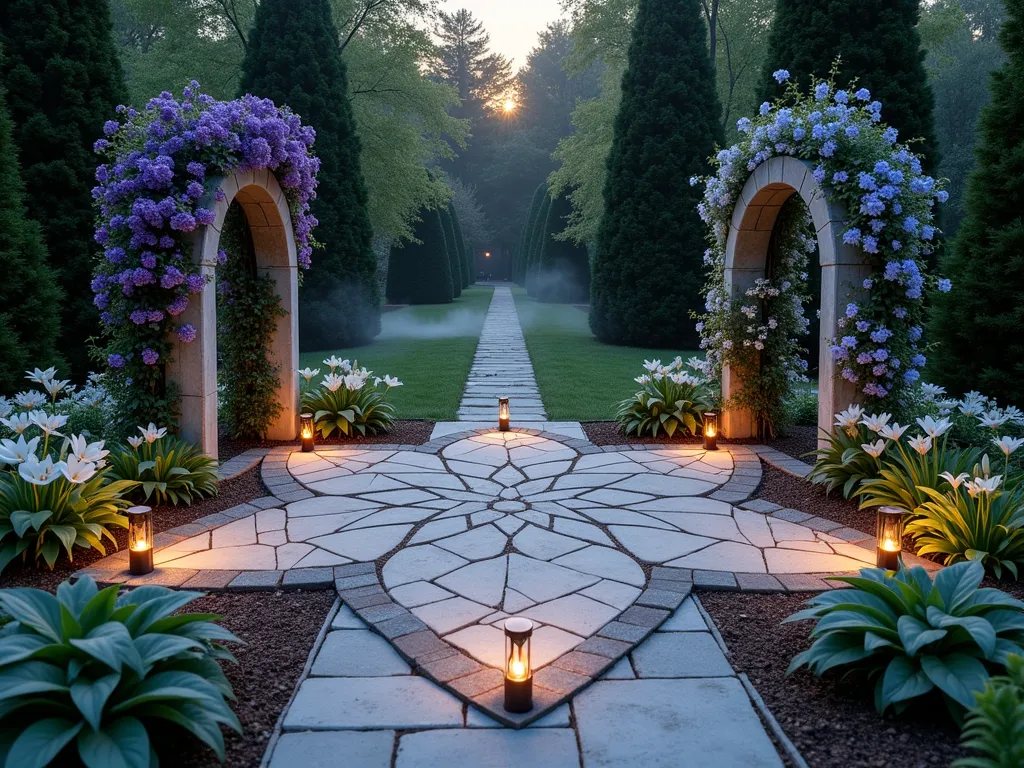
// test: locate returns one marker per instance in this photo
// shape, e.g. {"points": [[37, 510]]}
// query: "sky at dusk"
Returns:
{"points": [[512, 24]]}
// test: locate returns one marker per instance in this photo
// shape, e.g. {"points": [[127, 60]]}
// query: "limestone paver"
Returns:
{"points": [[680, 654], [486, 748], [361, 703], [357, 653], [370, 749]]}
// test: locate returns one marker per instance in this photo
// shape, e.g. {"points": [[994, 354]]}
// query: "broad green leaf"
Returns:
{"points": [[35, 609], [112, 645], [903, 680], [30, 677], [122, 744], [41, 742], [915, 634], [90, 696], [76, 595], [979, 629], [155, 647], [957, 675], [957, 583], [20, 647]]}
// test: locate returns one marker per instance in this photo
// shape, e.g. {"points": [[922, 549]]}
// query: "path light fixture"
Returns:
{"points": [[140, 540], [306, 431], [889, 535], [504, 414], [710, 431], [518, 674]]}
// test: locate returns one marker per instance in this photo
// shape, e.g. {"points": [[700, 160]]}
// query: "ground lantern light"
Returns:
{"points": [[504, 414], [306, 431], [889, 534], [710, 431], [518, 673], [140, 540]]}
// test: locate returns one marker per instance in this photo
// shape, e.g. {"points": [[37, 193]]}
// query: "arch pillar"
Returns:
{"points": [[843, 269], [194, 368]]}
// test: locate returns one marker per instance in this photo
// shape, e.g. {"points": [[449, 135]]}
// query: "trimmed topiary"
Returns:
{"points": [[419, 272], [537, 237], [293, 58], [526, 239], [465, 268], [648, 271], [564, 274], [454, 260]]}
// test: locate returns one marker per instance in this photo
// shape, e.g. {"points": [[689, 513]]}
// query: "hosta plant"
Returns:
{"points": [[90, 673], [167, 469], [995, 724], [914, 636], [975, 520], [347, 401], [669, 400], [65, 499]]}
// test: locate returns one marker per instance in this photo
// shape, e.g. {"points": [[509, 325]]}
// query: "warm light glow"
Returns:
{"points": [[517, 671], [509, 106], [307, 432], [889, 545], [487, 254], [140, 546], [709, 431]]}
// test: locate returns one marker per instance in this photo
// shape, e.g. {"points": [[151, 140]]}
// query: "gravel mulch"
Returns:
{"points": [[832, 721], [279, 630], [782, 488], [796, 442], [233, 492], [408, 432], [608, 433]]}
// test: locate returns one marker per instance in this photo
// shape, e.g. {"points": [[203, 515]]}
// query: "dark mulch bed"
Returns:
{"points": [[608, 433], [232, 493], [796, 442], [789, 491], [279, 630], [408, 432], [832, 721]]}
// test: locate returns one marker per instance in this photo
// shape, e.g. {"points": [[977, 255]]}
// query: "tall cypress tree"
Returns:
{"points": [[536, 244], [293, 59], [63, 80], [526, 238], [880, 47], [30, 298], [419, 273], [977, 324], [648, 271], [564, 274], [460, 244], [454, 266]]}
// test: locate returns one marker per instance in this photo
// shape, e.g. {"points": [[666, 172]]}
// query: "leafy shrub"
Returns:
{"points": [[914, 635], [47, 504], [101, 670], [973, 520], [800, 408], [347, 403], [166, 468], [668, 400], [995, 724]]}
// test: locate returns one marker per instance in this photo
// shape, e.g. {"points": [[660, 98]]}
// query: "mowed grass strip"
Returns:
{"points": [[580, 378], [429, 348]]}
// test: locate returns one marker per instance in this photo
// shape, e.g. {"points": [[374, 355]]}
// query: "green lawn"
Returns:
{"points": [[580, 378], [430, 348]]}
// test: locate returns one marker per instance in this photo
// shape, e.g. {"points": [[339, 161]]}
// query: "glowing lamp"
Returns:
{"points": [[710, 431], [518, 673], [504, 414], [306, 431], [889, 535], [140, 540]]}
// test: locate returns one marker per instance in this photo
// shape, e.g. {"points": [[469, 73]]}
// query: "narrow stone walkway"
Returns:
{"points": [[674, 695], [502, 368]]}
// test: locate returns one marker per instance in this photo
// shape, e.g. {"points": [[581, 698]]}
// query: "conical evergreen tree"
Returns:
{"points": [[526, 238], [537, 236], [460, 243], [648, 272], [293, 59], [419, 273], [880, 47], [564, 275], [30, 298], [977, 325], [63, 80], [452, 247]]}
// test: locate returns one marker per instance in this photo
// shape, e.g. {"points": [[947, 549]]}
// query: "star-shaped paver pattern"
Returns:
{"points": [[510, 523]]}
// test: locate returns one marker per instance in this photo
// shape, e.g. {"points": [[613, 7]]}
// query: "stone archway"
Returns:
{"points": [[843, 269], [194, 369]]}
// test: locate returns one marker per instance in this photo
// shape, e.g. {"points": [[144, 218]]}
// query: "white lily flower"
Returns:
{"points": [[16, 452], [642, 380], [983, 485], [652, 365], [30, 400], [921, 444], [677, 364], [1008, 444], [971, 408], [151, 433], [309, 373], [354, 382], [696, 363], [41, 377], [49, 424], [658, 376], [934, 428], [5, 408], [933, 390], [850, 417], [954, 481], [876, 422], [135, 442], [874, 449], [993, 419], [332, 362], [346, 367], [893, 431], [54, 386], [392, 381], [333, 382], [38, 472], [19, 422], [83, 450], [77, 471]]}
